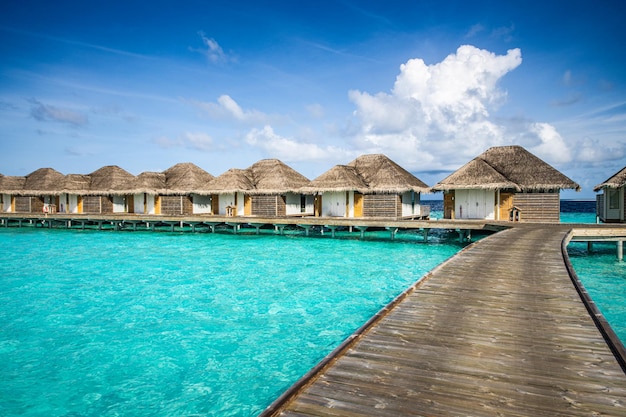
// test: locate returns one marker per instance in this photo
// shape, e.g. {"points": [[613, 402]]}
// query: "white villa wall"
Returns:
{"points": [[138, 203], [119, 204], [474, 204], [72, 202], [201, 204], [240, 205], [351, 204], [6, 203], [334, 204], [293, 204], [225, 200]]}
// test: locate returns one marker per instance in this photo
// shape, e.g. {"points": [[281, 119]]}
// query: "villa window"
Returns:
{"points": [[613, 198]]}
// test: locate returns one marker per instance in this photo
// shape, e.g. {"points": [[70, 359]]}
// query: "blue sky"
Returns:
{"points": [[223, 84]]}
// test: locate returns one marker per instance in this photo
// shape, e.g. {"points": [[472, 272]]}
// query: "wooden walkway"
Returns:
{"points": [[498, 330]]}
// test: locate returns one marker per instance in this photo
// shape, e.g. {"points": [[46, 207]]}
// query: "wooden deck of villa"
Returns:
{"points": [[498, 330]]}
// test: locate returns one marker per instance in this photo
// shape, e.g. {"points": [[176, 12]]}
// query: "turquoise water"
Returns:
{"points": [[604, 277], [180, 324]]}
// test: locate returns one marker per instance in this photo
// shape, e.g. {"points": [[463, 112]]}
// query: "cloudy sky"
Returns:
{"points": [[223, 84]]}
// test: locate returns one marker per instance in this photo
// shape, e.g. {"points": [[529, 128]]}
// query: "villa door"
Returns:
{"points": [[448, 205], [506, 204], [358, 204]]}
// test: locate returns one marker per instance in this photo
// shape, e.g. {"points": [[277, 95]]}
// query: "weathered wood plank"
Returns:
{"points": [[491, 332]]}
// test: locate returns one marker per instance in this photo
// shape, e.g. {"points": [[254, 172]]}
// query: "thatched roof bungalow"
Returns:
{"points": [[392, 190], [109, 191], [229, 188], [335, 192], [40, 191], [369, 186], [505, 183], [267, 188], [75, 186], [610, 203], [186, 190], [275, 191], [11, 199], [147, 187]]}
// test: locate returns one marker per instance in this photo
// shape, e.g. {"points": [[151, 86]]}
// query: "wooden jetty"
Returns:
{"points": [[498, 330], [211, 222]]}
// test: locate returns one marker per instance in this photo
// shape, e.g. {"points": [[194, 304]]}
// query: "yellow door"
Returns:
{"points": [[506, 204], [79, 207], [215, 204], [157, 204], [358, 205], [247, 205]]}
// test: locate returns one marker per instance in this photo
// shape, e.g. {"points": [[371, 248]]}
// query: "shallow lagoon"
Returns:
{"points": [[172, 324]]}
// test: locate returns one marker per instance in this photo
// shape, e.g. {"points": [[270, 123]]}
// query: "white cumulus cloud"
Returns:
{"points": [[552, 146], [226, 108], [438, 116], [289, 149]]}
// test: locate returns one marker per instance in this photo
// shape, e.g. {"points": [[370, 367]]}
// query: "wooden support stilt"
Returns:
{"points": [[425, 233], [332, 230], [306, 228], [257, 226], [620, 250], [589, 246], [362, 229]]}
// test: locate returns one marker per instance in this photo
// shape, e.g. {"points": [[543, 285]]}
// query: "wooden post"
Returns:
{"points": [[620, 250]]}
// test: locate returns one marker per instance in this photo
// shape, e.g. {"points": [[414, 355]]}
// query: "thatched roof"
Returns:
{"points": [[382, 175], [476, 174], [616, 181], [187, 178], [520, 170], [271, 176], [44, 181], [76, 184], [11, 184], [232, 181], [338, 178], [112, 180], [149, 182]]}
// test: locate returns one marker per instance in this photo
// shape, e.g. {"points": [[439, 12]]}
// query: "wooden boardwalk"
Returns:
{"points": [[498, 330]]}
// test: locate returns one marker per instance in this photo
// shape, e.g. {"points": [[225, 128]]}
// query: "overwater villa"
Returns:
{"points": [[392, 191], [229, 191], [338, 192], [110, 191], [276, 190], [186, 190], [36, 192], [75, 187], [505, 183], [611, 201], [147, 188], [10, 198], [267, 188], [369, 186]]}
